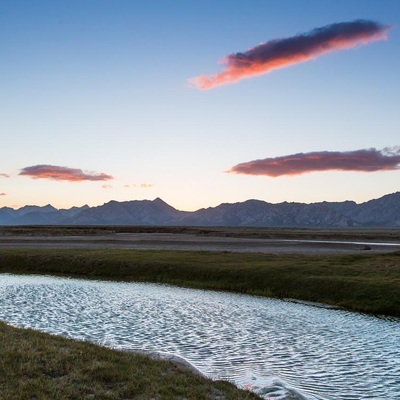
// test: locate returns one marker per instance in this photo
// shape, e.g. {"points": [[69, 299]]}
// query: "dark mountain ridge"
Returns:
{"points": [[382, 212]]}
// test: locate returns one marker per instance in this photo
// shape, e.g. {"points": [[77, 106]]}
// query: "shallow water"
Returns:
{"points": [[279, 349]]}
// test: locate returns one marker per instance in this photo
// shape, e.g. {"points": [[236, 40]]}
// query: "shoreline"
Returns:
{"points": [[36, 364], [365, 281], [173, 358]]}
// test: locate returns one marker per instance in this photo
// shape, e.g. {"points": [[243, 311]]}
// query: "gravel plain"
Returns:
{"points": [[192, 242]]}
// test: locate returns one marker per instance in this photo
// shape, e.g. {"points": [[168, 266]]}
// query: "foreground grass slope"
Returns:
{"points": [[35, 365], [360, 282]]}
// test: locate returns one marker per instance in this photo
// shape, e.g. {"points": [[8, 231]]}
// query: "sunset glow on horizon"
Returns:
{"points": [[98, 104]]}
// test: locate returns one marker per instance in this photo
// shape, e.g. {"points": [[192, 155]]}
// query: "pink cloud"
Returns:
{"points": [[369, 160], [280, 53], [62, 174], [3, 194], [5, 175]]}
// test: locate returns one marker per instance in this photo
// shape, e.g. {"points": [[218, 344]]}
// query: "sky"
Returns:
{"points": [[198, 103]]}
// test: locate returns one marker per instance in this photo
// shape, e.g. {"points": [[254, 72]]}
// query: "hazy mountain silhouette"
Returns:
{"points": [[382, 212], [136, 212]]}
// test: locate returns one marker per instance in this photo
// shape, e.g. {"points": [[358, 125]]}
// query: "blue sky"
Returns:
{"points": [[101, 87]]}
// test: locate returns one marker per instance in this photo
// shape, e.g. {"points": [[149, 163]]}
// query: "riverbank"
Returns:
{"points": [[43, 366], [364, 282]]}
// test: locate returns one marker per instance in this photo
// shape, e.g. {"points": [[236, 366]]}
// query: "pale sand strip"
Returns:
{"points": [[177, 360]]}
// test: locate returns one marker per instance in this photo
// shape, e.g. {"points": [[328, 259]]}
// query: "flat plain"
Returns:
{"points": [[351, 268], [243, 240]]}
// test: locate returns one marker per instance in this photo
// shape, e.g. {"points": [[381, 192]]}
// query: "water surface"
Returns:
{"points": [[281, 350]]}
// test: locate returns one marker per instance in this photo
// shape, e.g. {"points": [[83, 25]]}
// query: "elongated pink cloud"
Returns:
{"points": [[368, 160], [280, 53], [62, 173], [5, 175]]}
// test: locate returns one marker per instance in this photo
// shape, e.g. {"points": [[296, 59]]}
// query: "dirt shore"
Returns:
{"points": [[193, 242]]}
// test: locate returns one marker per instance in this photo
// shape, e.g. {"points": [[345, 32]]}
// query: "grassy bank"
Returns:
{"points": [[361, 282], [35, 365]]}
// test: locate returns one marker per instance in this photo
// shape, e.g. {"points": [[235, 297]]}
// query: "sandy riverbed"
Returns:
{"points": [[171, 241]]}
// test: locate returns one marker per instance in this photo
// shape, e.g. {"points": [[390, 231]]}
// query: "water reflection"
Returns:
{"points": [[279, 349]]}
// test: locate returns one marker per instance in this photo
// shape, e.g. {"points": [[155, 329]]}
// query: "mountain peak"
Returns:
{"points": [[160, 201]]}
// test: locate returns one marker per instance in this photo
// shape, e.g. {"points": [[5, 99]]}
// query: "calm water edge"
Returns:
{"points": [[279, 349]]}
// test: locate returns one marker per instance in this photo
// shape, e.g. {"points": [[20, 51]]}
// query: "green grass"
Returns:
{"points": [[36, 365], [362, 282]]}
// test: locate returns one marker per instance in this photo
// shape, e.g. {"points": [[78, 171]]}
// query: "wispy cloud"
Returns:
{"points": [[5, 175], [368, 160], [3, 194], [141, 185], [62, 173], [106, 186], [280, 53]]}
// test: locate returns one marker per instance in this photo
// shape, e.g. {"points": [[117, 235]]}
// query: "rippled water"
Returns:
{"points": [[281, 350]]}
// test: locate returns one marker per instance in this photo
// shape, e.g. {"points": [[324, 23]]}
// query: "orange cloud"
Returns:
{"points": [[369, 160], [281, 53], [62, 174], [5, 175]]}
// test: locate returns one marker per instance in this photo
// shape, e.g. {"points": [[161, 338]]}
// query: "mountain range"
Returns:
{"points": [[382, 212]]}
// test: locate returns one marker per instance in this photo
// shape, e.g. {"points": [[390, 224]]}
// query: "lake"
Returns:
{"points": [[279, 349]]}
